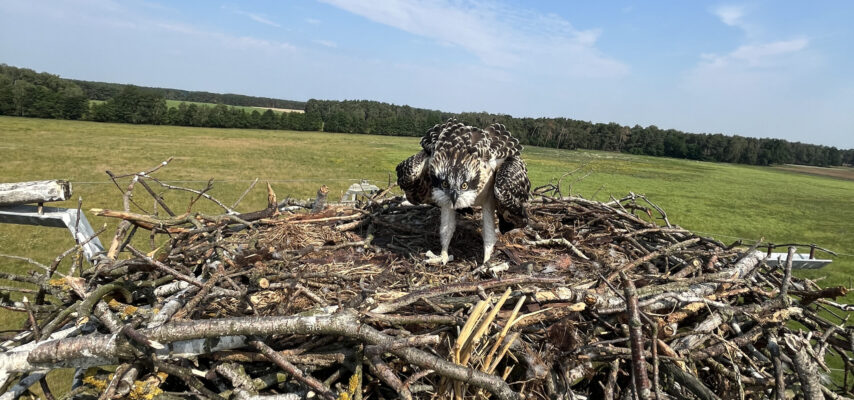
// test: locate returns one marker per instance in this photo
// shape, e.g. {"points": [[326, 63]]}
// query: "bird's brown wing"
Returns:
{"points": [[511, 193], [414, 179], [431, 138], [413, 175], [496, 142], [492, 143]]}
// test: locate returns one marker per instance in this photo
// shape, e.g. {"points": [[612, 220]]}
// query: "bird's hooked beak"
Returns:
{"points": [[454, 194]]}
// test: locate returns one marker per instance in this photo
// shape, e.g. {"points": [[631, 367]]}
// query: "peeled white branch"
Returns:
{"points": [[662, 298]]}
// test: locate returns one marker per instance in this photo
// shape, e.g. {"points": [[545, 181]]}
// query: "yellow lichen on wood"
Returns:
{"points": [[129, 310], [353, 386], [354, 383], [99, 384], [144, 391], [60, 283], [149, 388], [123, 309]]}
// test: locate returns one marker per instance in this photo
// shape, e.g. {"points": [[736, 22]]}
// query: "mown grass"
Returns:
{"points": [[724, 200], [176, 103], [835, 172]]}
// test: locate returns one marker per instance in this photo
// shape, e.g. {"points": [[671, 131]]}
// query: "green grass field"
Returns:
{"points": [[723, 200]]}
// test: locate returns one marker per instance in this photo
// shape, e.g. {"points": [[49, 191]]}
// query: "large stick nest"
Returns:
{"points": [[595, 300]]}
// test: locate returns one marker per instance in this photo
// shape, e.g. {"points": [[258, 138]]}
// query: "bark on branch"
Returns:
{"points": [[96, 350]]}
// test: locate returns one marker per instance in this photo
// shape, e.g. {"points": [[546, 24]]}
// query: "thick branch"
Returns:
{"points": [[640, 379], [101, 349]]}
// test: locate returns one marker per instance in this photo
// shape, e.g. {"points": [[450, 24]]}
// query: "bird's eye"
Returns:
{"points": [[445, 184], [464, 186]]}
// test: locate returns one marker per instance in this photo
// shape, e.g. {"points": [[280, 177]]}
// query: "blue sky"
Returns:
{"points": [[757, 68]]}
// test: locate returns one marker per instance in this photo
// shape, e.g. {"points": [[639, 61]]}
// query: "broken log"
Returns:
{"points": [[34, 192]]}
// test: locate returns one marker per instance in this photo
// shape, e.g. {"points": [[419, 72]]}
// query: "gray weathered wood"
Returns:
{"points": [[34, 192]]}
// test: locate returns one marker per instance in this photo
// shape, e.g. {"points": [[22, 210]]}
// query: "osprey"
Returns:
{"points": [[461, 166]]}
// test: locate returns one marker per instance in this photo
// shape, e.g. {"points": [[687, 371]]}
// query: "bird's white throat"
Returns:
{"points": [[466, 199]]}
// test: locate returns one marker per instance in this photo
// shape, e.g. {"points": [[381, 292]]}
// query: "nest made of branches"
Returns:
{"points": [[591, 300]]}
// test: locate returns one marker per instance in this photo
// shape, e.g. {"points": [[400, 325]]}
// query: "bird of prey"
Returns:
{"points": [[461, 166]]}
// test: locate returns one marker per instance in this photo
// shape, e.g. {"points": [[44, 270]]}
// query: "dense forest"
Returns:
{"points": [[138, 105], [24, 92]]}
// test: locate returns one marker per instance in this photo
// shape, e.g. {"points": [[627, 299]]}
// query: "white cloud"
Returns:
{"points": [[260, 18], [237, 42], [756, 58], [756, 55], [327, 43], [439, 21], [736, 16], [313, 21], [730, 14], [251, 42], [500, 36]]}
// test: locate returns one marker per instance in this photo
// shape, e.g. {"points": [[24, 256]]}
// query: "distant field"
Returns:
{"points": [[285, 110], [833, 172], [176, 103], [722, 200]]}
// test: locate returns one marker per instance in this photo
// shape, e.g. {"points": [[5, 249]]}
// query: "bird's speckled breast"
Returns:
{"points": [[484, 187]]}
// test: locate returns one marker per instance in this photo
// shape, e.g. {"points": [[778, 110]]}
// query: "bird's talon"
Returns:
{"points": [[434, 259], [496, 268]]}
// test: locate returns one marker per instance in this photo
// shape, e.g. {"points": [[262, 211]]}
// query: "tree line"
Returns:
{"points": [[360, 116], [24, 92]]}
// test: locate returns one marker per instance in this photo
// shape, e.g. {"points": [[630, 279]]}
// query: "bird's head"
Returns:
{"points": [[454, 182]]}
